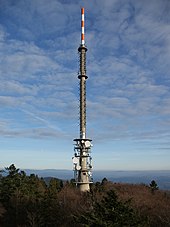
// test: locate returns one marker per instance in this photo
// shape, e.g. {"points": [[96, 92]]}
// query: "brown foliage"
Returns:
{"points": [[28, 201], [2, 210], [72, 203], [154, 206]]}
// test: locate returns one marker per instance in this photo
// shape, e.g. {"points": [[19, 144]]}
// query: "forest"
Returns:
{"points": [[31, 201]]}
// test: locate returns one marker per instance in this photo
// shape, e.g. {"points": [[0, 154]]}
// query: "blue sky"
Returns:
{"points": [[128, 90]]}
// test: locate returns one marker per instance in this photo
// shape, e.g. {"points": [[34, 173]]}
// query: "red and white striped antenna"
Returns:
{"points": [[82, 27]]}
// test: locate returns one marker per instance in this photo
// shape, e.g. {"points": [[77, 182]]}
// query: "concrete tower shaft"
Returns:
{"points": [[82, 76]]}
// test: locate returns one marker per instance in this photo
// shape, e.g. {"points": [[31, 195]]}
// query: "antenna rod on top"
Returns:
{"points": [[82, 27]]}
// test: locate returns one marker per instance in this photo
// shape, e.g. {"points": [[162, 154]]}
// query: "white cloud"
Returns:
{"points": [[127, 62]]}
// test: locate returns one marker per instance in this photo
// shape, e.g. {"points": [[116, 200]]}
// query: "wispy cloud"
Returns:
{"points": [[128, 92]]}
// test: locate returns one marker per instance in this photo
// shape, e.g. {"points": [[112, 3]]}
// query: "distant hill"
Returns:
{"points": [[136, 177], [57, 173]]}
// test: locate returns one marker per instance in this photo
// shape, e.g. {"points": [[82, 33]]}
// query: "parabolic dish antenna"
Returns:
{"points": [[89, 173], [87, 144], [78, 167], [75, 160]]}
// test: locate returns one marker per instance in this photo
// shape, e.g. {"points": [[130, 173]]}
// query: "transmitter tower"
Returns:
{"points": [[82, 147]]}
